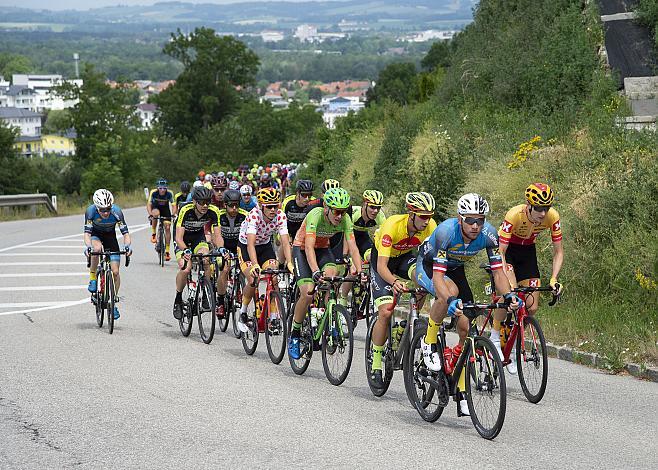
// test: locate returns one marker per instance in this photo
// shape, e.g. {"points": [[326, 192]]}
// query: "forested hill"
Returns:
{"points": [[520, 96]]}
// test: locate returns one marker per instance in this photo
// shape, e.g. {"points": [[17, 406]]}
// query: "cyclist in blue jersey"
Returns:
{"points": [[441, 272], [158, 205], [101, 218], [247, 201]]}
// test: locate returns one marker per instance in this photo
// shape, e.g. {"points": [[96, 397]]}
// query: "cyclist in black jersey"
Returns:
{"points": [[230, 220], [158, 206], [295, 205], [180, 198]]}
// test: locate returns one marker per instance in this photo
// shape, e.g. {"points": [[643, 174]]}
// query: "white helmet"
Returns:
{"points": [[246, 189], [208, 177], [221, 174], [103, 198], [472, 203], [197, 183], [234, 185]]}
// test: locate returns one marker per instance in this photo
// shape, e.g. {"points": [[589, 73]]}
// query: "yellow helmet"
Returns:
{"points": [[420, 203], [268, 196], [539, 194], [329, 184], [373, 197]]}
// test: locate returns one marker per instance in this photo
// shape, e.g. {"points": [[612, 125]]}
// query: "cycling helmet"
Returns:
{"points": [[197, 183], [185, 187], [329, 184], [221, 174], [305, 186], [207, 178], [231, 196], [161, 183], [103, 199], [268, 196], [219, 182], [246, 189], [201, 193], [250, 177], [420, 203], [202, 174], [373, 197], [472, 203], [337, 198], [539, 194], [234, 185]]}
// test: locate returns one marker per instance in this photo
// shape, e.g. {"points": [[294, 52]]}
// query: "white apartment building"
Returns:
{"points": [[44, 95], [146, 113], [306, 32], [26, 120]]}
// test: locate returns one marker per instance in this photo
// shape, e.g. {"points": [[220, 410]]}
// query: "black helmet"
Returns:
{"points": [[231, 195], [201, 193], [185, 187], [305, 186]]}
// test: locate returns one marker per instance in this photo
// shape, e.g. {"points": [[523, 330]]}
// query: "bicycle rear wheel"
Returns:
{"points": [[185, 322], [109, 295], [250, 338], [300, 365], [387, 362], [532, 360], [486, 392], [236, 304], [275, 329], [337, 345], [422, 393], [161, 244], [205, 310]]}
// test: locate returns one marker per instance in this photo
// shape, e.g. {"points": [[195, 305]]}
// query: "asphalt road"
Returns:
{"points": [[71, 395]]}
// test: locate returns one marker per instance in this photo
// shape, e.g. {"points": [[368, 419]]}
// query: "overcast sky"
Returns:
{"points": [[87, 4]]}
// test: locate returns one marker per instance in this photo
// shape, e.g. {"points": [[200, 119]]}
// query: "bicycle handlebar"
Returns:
{"points": [[107, 253], [415, 291], [530, 290], [472, 309]]}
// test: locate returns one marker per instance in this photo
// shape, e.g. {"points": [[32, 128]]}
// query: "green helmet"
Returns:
{"points": [[337, 198]]}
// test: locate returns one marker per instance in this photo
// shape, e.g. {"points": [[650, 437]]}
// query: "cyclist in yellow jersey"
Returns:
{"points": [[393, 257], [517, 236]]}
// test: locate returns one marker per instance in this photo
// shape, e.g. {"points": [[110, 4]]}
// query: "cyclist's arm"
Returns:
{"points": [[87, 239], [217, 238], [354, 252], [309, 248], [180, 234], [503, 252], [251, 248], [558, 258], [383, 271], [285, 240], [501, 280], [149, 207], [126, 239]]}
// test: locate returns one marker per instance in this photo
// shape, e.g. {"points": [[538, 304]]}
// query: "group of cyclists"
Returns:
{"points": [[244, 215]]}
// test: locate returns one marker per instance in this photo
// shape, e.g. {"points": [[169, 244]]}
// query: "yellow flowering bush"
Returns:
{"points": [[644, 281], [523, 152]]}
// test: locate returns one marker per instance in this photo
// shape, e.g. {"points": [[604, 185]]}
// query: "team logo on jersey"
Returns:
{"points": [[441, 254], [506, 227], [387, 241], [556, 226], [534, 282], [407, 244]]}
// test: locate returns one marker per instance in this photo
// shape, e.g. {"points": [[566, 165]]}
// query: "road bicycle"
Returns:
{"points": [[362, 305], [160, 239], [524, 332], [397, 344], [266, 315], [199, 299], [105, 296], [331, 333], [486, 391]]}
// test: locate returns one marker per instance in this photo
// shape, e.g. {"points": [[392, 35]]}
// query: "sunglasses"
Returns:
{"points": [[308, 195], [473, 220], [424, 216], [375, 208], [204, 202], [105, 210], [541, 208], [338, 212], [232, 206], [270, 206]]}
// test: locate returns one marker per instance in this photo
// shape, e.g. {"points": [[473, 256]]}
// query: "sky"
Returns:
{"points": [[87, 4]]}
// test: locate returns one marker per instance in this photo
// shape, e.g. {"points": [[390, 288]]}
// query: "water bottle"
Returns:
{"points": [[320, 313], [395, 337], [314, 317], [259, 305], [503, 334], [456, 352], [447, 359], [192, 287]]}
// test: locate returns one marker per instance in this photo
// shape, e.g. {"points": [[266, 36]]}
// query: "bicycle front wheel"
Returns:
{"points": [[419, 381], [161, 244], [387, 362], [532, 360], [275, 329], [486, 392], [205, 310], [300, 365], [250, 337], [337, 345], [109, 295], [235, 304], [185, 322]]}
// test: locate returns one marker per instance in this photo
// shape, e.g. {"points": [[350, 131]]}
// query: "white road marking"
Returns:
{"points": [[51, 307], [39, 263], [70, 247], [33, 304], [44, 274], [25, 288], [41, 254]]}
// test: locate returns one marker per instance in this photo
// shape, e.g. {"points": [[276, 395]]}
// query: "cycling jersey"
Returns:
{"points": [[180, 199], [248, 206], [518, 230], [161, 200], [295, 214], [316, 225], [392, 239], [363, 231], [446, 248], [231, 227], [191, 222], [255, 224], [95, 223]]}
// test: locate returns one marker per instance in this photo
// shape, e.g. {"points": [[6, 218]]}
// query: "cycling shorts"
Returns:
{"points": [[523, 261], [194, 241], [456, 275], [324, 256], [165, 212], [264, 256], [109, 242], [400, 266]]}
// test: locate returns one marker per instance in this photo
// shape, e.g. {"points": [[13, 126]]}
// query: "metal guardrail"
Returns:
{"points": [[30, 200]]}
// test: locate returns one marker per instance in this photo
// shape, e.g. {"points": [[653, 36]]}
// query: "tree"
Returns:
{"points": [[397, 82], [315, 94], [11, 64], [57, 121], [206, 92], [437, 56]]}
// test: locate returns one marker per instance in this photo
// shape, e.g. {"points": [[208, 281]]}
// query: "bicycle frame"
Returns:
{"points": [[268, 276], [329, 285], [412, 316]]}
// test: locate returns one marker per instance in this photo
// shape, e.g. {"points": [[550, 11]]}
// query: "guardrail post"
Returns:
{"points": [[53, 198], [146, 193]]}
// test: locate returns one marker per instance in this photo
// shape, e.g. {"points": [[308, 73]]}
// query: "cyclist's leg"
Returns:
{"points": [[96, 245], [154, 222], [383, 299], [304, 279], [526, 270]]}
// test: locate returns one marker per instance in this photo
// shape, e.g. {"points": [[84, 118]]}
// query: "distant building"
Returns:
{"points": [[306, 32], [339, 106], [146, 113], [3, 82], [27, 121], [271, 36], [429, 35], [18, 96], [43, 96], [50, 144]]}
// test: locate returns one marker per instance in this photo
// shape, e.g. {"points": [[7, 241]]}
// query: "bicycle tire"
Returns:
{"points": [[98, 295], [387, 362], [236, 304], [413, 368], [206, 318], [538, 359], [485, 374], [275, 327], [109, 292], [333, 343], [300, 365], [224, 321], [185, 322], [250, 338], [161, 244]]}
